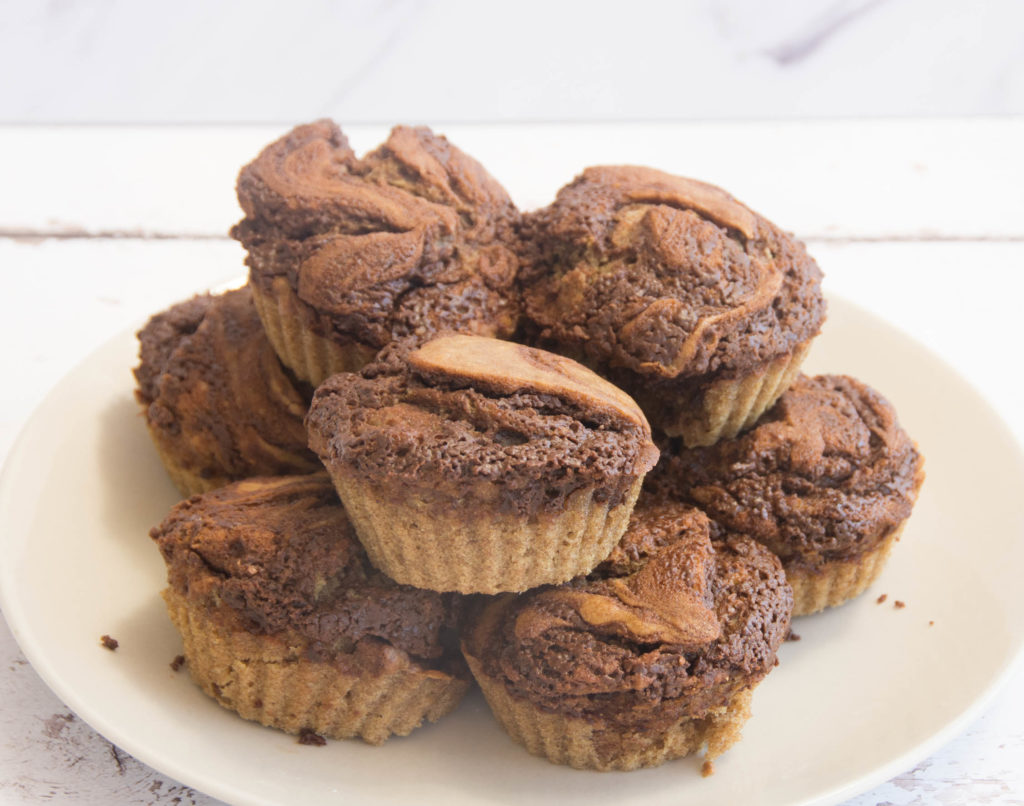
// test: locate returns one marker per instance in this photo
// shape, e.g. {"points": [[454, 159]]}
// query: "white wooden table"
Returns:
{"points": [[921, 222]]}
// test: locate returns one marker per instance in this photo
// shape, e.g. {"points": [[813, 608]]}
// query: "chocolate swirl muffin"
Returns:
{"points": [[826, 480], [286, 622], [347, 254], [694, 304], [218, 404], [479, 465], [651, 657]]}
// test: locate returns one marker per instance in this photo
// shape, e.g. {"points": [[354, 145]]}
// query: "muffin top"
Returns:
{"points": [[672, 624], [215, 395], [412, 239], [665, 276], [826, 474], [535, 426], [277, 556]]}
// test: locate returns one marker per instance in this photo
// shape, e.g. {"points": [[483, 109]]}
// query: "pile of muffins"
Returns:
{"points": [[567, 454]]}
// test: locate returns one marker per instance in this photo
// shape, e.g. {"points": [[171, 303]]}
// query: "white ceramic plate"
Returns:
{"points": [[868, 691]]}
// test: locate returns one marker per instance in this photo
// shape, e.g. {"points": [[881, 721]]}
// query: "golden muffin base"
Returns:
{"points": [[311, 357], [838, 582], [265, 680], [449, 542], [732, 405], [586, 745], [188, 482]]}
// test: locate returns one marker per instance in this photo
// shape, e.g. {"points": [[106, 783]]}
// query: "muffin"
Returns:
{"points": [[652, 657], [695, 305], [217, 402], [826, 480], [477, 465], [286, 623], [347, 255]]}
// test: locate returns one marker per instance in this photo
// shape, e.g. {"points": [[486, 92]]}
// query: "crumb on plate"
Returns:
{"points": [[307, 736]]}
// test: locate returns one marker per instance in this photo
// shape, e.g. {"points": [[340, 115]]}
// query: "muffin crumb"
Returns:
{"points": [[792, 636], [898, 605], [882, 598], [931, 623], [177, 663], [311, 737], [108, 643], [708, 768]]}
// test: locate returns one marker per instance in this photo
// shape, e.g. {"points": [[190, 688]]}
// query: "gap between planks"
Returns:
{"points": [[31, 236]]}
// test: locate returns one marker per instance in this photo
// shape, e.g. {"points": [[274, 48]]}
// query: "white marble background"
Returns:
{"points": [[533, 60]]}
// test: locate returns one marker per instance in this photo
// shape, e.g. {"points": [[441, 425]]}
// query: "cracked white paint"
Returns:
{"points": [[48, 755]]}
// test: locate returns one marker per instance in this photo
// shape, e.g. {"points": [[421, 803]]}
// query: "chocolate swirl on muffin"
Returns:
{"points": [[438, 450], [648, 658], [464, 410], [670, 286], [218, 403], [348, 254], [271, 590], [825, 480]]}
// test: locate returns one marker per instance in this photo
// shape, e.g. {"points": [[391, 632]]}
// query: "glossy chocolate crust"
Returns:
{"points": [[215, 395], [413, 239], [826, 474], [533, 425], [278, 556], [670, 626], [665, 277]]}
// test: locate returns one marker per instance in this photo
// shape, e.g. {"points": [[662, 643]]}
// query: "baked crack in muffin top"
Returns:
{"points": [[825, 475], [535, 426], [217, 400], [279, 556], [665, 276], [672, 624], [412, 239]]}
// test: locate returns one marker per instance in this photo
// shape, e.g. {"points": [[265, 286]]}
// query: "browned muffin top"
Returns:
{"points": [[412, 239], [825, 475], [216, 395], [665, 276], [278, 555], [535, 425], [670, 626]]}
